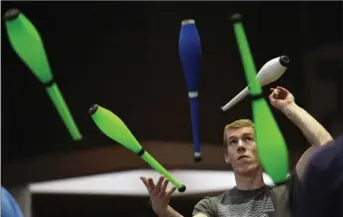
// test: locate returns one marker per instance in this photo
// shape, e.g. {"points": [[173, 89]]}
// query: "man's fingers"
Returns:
{"points": [[171, 191], [272, 96], [160, 181], [160, 187], [152, 186], [276, 94], [157, 188], [165, 185], [282, 92], [146, 183], [282, 89]]}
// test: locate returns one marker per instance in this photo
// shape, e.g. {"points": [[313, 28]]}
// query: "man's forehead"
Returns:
{"points": [[240, 131]]}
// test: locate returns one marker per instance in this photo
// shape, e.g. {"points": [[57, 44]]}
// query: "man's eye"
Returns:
{"points": [[249, 138], [232, 142]]}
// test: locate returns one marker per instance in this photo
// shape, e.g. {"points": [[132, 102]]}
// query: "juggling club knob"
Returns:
{"points": [[11, 14], [93, 109], [237, 17], [197, 159], [284, 61], [182, 188]]}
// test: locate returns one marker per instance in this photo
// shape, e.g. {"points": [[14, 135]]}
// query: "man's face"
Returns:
{"points": [[241, 150]]}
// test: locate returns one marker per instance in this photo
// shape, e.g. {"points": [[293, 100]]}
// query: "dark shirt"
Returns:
{"points": [[321, 191], [264, 202]]}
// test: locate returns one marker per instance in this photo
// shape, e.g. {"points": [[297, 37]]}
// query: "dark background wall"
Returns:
{"points": [[124, 56]]}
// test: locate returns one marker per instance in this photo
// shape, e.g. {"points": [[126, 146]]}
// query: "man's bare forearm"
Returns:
{"points": [[314, 132], [170, 212]]}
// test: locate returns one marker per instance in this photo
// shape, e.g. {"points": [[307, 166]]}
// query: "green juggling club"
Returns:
{"points": [[113, 127], [28, 45], [271, 145]]}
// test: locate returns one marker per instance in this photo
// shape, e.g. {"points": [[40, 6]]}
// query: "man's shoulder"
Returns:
{"points": [[279, 189], [287, 189]]}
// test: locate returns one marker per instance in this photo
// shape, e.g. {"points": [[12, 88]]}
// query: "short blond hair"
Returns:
{"points": [[236, 125]]}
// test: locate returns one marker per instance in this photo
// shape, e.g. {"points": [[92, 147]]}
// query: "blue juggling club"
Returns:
{"points": [[190, 54], [9, 206]]}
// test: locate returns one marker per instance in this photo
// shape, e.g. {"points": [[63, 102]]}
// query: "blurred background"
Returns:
{"points": [[123, 56]]}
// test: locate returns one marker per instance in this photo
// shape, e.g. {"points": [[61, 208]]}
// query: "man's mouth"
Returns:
{"points": [[243, 156]]}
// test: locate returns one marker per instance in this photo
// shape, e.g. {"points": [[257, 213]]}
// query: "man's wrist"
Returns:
{"points": [[290, 109], [168, 212], [314, 132], [163, 213]]}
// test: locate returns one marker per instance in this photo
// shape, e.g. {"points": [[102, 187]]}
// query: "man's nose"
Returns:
{"points": [[240, 146], [240, 143]]}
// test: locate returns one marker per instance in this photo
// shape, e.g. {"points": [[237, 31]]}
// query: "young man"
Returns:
{"points": [[250, 197]]}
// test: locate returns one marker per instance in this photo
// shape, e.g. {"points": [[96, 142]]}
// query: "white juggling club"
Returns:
{"points": [[270, 72]]}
